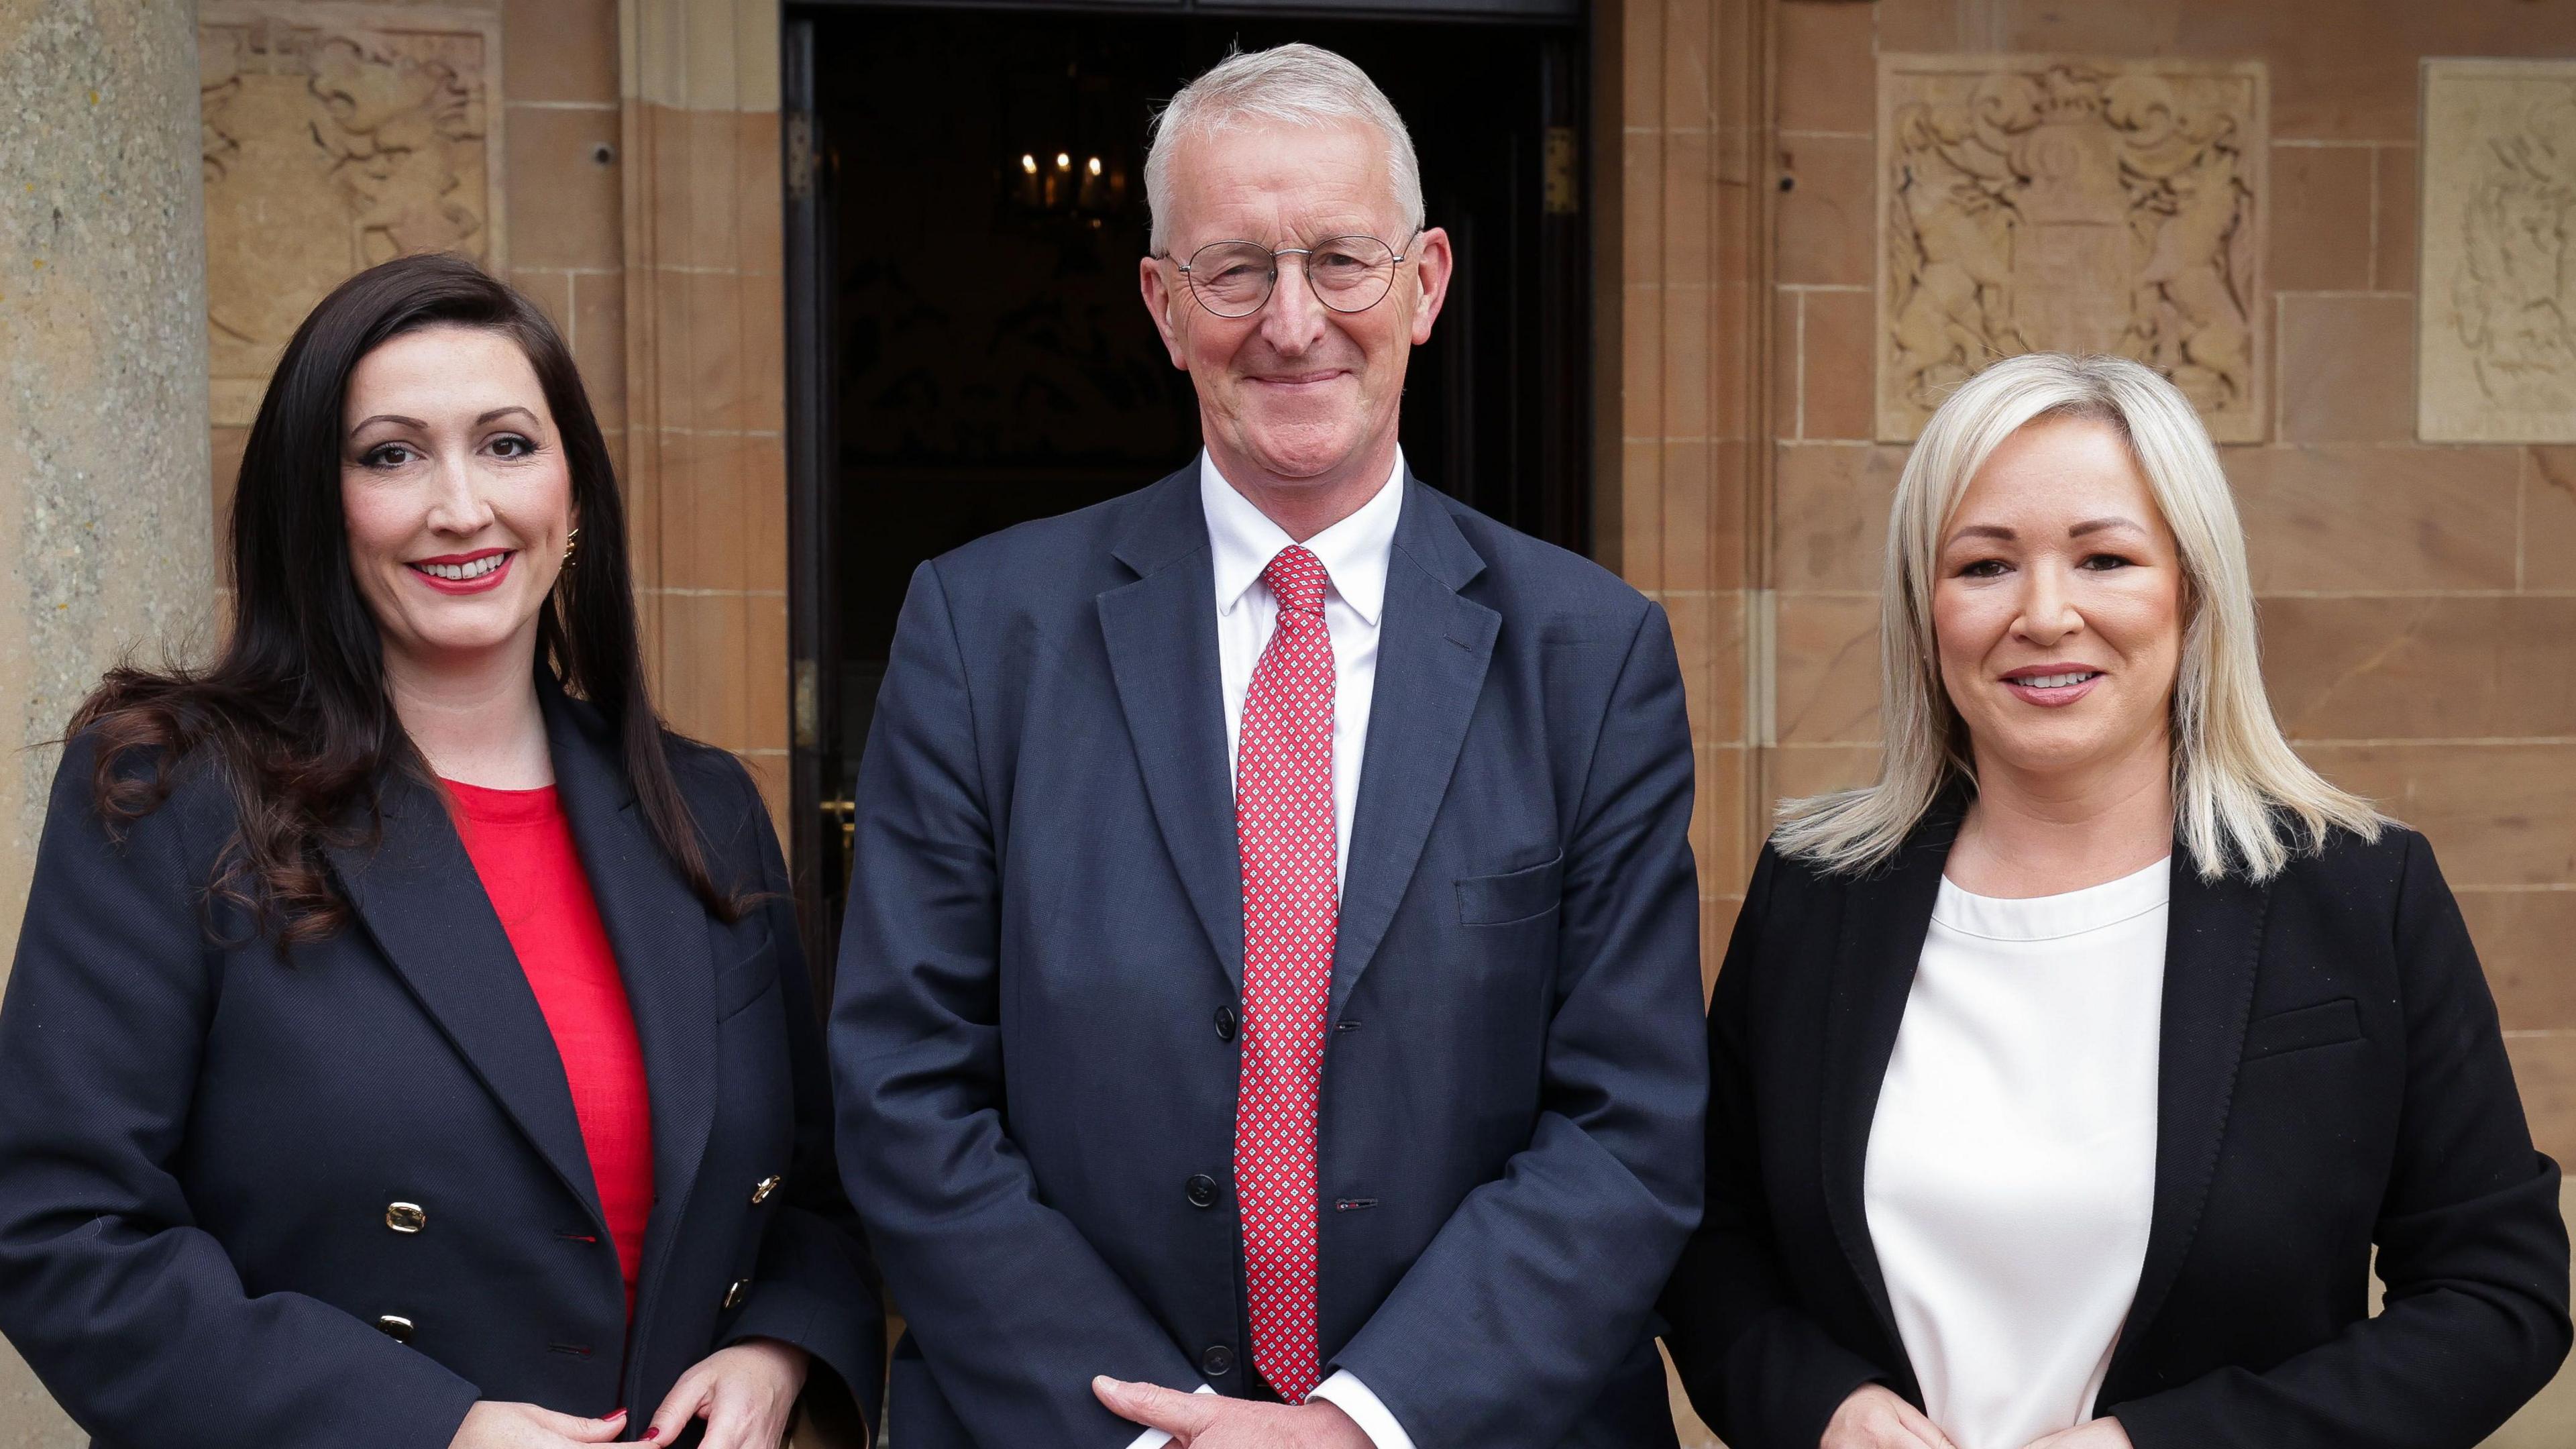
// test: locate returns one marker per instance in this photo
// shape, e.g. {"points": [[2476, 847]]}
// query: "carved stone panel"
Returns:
{"points": [[2031, 203], [336, 136], [2496, 299]]}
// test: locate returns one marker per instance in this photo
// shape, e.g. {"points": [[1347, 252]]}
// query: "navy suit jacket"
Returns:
{"points": [[1033, 1039], [199, 1141]]}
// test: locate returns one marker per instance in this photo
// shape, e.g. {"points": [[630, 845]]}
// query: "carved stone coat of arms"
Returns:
{"points": [[336, 136], [2031, 203], [2496, 304]]}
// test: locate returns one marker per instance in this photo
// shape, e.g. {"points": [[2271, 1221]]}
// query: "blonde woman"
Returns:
{"points": [[2065, 1078]]}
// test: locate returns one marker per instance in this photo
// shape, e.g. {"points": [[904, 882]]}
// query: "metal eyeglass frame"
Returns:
{"points": [[1190, 280]]}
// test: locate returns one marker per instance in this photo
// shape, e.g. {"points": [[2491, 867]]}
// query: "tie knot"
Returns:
{"points": [[1296, 579]]}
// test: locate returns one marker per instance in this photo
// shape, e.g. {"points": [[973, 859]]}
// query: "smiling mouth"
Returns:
{"points": [[2055, 681], [464, 571]]}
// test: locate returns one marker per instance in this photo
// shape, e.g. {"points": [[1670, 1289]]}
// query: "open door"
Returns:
{"points": [[965, 207]]}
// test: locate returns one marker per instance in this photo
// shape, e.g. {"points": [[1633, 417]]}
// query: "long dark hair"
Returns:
{"points": [[295, 712]]}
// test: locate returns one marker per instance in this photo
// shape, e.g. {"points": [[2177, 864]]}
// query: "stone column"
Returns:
{"points": [[706, 370], [104, 528]]}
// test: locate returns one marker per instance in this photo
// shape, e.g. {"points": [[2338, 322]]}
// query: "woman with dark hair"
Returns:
{"points": [[408, 1043]]}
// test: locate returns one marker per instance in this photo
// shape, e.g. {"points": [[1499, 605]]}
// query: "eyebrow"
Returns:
{"points": [[2090, 525], [2096, 525], [498, 412]]}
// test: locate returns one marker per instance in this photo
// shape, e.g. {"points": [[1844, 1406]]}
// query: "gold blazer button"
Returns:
{"points": [[406, 1217], [761, 1190]]}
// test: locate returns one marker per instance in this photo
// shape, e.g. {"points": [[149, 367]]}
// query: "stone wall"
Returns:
{"points": [[707, 370], [103, 519]]}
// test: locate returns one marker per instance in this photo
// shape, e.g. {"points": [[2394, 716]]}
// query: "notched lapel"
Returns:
{"points": [[1161, 636], [1432, 652], [2213, 954], [1885, 917], [420, 899]]}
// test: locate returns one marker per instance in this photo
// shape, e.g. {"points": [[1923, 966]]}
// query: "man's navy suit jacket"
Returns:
{"points": [[1033, 1039]]}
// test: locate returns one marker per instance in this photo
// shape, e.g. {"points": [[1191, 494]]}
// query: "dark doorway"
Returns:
{"points": [[967, 351]]}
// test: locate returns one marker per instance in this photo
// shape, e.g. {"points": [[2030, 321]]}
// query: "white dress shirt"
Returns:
{"points": [[2011, 1168], [1355, 553]]}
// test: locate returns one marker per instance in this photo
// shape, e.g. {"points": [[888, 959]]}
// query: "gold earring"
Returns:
{"points": [[572, 541]]}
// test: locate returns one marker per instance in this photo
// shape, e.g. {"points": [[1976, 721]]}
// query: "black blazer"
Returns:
{"points": [[199, 1141], [2332, 1077]]}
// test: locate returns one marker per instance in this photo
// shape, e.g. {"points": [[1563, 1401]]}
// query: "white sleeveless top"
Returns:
{"points": [[2012, 1163]]}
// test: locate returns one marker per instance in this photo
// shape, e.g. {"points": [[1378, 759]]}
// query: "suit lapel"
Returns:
{"points": [[419, 897], [658, 929], [2213, 950], [1161, 635], [1885, 916], [1433, 648]]}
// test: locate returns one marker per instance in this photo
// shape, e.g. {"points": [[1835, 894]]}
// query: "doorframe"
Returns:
{"points": [[819, 861], [816, 843]]}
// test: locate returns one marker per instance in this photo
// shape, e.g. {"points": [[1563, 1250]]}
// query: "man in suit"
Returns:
{"points": [[1269, 1004]]}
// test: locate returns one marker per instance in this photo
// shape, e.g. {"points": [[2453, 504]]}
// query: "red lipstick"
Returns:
{"points": [[464, 573]]}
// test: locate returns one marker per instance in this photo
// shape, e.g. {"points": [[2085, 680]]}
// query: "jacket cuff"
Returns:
{"points": [[1784, 1379], [811, 1301]]}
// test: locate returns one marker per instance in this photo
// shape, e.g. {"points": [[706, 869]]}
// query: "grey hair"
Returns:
{"points": [[2238, 789], [1295, 84]]}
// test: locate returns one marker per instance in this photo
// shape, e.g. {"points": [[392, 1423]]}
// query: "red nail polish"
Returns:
{"points": [[653, 1433], [620, 1414]]}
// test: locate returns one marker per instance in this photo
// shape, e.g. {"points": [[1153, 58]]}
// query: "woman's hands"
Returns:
{"points": [[745, 1393], [490, 1425], [1875, 1417]]}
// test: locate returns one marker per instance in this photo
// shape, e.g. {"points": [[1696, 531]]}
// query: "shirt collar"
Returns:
{"points": [[1354, 552]]}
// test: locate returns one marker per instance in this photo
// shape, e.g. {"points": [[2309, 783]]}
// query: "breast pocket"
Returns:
{"points": [[2305, 1028], [1513, 897]]}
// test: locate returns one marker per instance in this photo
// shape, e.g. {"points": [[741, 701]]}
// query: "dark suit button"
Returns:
{"points": [[1225, 1023], [406, 1217], [734, 1295], [1217, 1362], [1202, 1190], [394, 1326]]}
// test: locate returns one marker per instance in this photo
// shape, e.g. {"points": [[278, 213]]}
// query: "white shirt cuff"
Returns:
{"points": [[1157, 1438], [1352, 1397]]}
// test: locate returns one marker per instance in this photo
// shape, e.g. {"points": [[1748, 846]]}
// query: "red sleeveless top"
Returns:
{"points": [[521, 845]]}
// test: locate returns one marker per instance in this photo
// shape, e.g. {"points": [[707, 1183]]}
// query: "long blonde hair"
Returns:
{"points": [[2242, 798]]}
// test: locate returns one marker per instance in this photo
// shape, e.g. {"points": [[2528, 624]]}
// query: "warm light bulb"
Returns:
{"points": [[1095, 165], [1063, 162], [1029, 164]]}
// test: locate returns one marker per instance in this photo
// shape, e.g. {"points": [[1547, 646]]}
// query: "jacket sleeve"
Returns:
{"points": [[1012, 1307], [1541, 1282], [815, 1284], [132, 1316], [1759, 1370], [2472, 1251]]}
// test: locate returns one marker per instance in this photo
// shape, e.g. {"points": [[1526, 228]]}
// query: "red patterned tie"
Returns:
{"points": [[1283, 815]]}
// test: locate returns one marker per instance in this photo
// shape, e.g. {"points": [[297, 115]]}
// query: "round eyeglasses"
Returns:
{"points": [[1346, 273]]}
